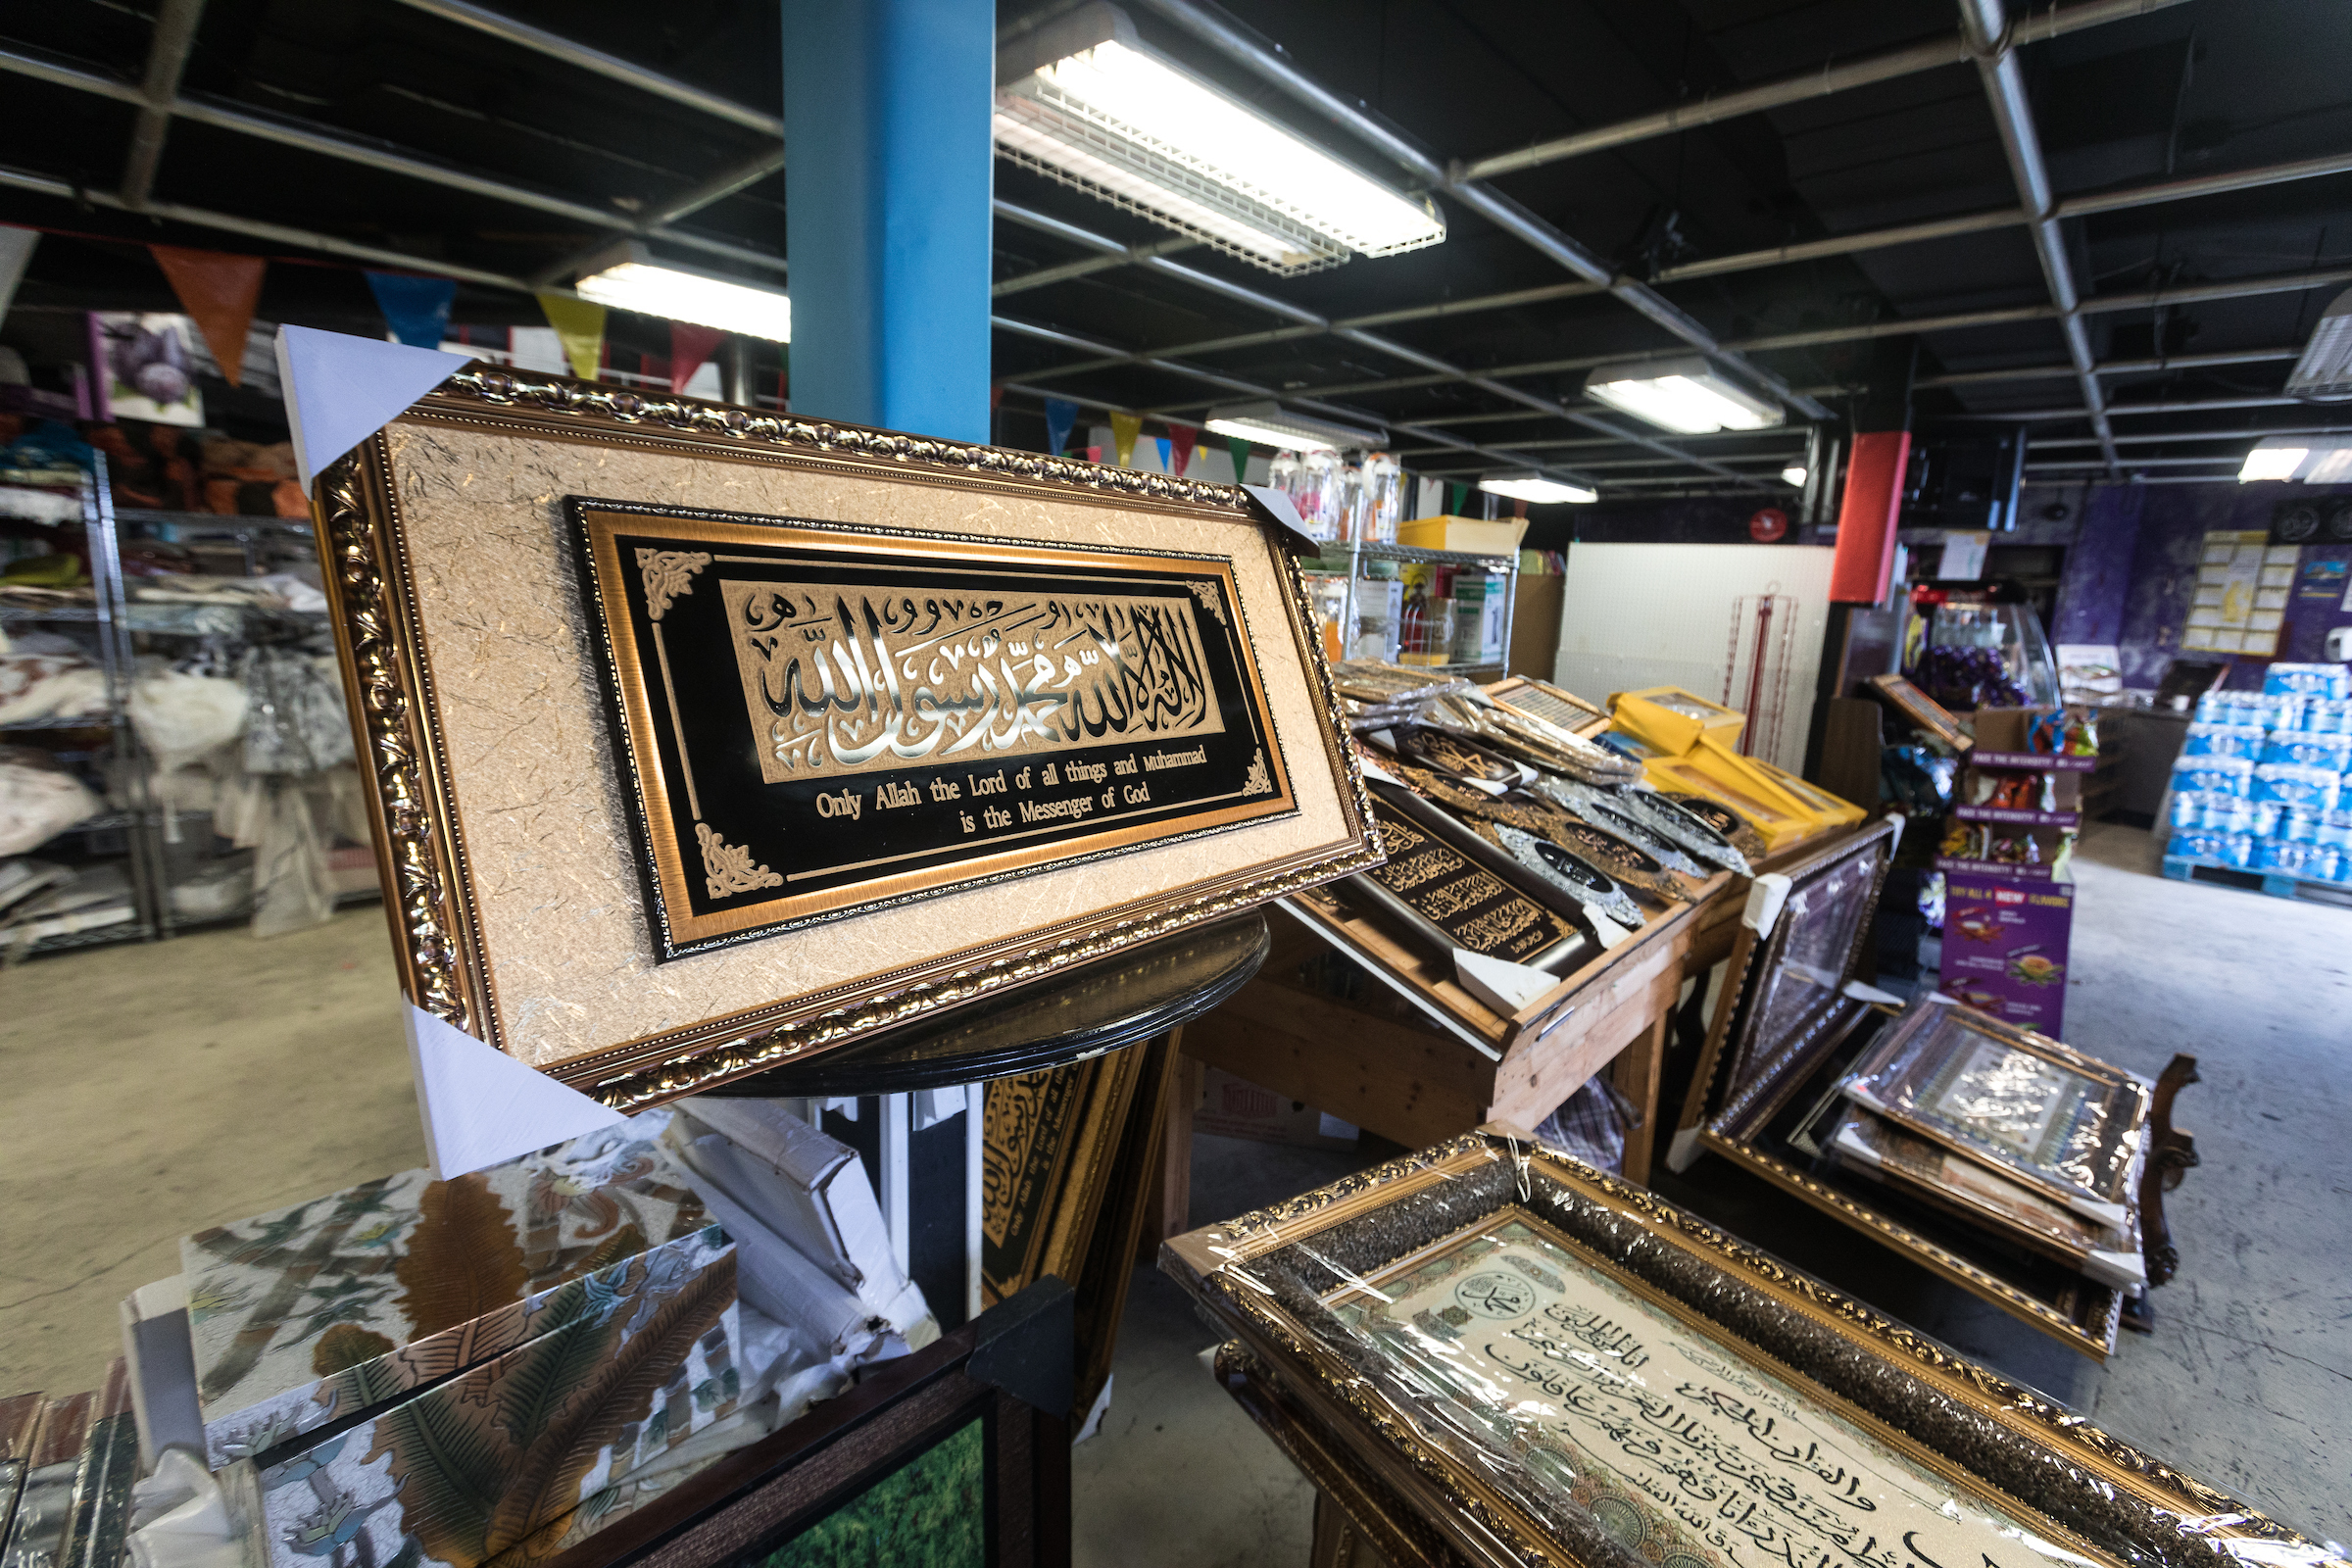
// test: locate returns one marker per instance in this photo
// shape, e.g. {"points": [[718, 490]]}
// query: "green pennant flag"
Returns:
{"points": [[1239, 446], [1457, 496]]}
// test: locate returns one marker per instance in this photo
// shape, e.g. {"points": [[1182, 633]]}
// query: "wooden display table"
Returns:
{"points": [[1417, 1058]]}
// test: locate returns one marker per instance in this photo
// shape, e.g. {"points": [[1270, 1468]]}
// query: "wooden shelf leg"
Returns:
{"points": [[1169, 1211], [1636, 1073]]}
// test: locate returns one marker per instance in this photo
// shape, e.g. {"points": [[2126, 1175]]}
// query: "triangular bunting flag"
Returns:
{"points": [[1124, 428], [341, 390], [1180, 442], [1162, 442], [218, 291], [481, 1107], [1239, 447], [580, 324], [1060, 414], [1457, 495], [416, 308], [16, 249], [690, 347]]}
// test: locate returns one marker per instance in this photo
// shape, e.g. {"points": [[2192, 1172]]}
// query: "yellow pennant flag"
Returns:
{"points": [[1124, 428], [580, 325]]}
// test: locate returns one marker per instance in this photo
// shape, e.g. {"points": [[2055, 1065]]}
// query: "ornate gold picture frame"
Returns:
{"points": [[1718, 1405], [701, 740]]}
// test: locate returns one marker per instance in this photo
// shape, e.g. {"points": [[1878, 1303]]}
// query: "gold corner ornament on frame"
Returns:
{"points": [[702, 740]]}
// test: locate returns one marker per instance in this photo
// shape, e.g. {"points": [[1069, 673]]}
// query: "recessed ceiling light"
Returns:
{"points": [[1270, 424], [629, 278], [1085, 101], [1680, 393], [1794, 474], [1536, 488]]}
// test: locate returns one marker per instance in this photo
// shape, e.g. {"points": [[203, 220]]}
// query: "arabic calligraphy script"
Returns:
{"points": [[1636, 1416], [848, 679]]}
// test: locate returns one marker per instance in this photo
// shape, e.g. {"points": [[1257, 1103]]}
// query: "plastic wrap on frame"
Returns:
{"points": [[2044, 1496], [2064, 1123]]}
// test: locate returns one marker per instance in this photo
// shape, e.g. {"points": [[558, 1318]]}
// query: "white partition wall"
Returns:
{"points": [[1636, 615]]}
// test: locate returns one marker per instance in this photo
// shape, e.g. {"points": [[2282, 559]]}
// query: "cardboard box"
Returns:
{"points": [[1234, 1107], [1473, 535]]}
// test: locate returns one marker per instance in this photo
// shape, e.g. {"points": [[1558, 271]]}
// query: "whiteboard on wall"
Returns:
{"points": [[1636, 615]]}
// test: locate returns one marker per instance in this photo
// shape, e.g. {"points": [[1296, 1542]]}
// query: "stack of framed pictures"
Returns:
{"points": [[1489, 1353], [1999, 1160]]}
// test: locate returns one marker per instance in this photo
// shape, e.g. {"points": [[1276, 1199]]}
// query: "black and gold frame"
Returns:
{"points": [[547, 892], [840, 718], [1688, 1367]]}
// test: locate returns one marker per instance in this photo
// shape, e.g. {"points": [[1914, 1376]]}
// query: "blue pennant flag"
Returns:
{"points": [[417, 309], [1059, 417]]}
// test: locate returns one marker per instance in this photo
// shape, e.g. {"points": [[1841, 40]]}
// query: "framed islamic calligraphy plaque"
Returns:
{"points": [[1548, 1364], [702, 740], [820, 718]]}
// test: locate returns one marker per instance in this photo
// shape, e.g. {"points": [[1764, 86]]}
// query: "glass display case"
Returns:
{"points": [[1971, 649]]}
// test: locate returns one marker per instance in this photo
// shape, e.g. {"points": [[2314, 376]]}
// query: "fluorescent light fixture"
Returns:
{"points": [[2329, 464], [1536, 489], [1270, 424], [2273, 460], [1794, 474], [1084, 101], [629, 278], [2326, 369], [1680, 393]]}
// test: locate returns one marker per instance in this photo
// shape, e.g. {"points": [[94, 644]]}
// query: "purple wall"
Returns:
{"points": [[2132, 574]]}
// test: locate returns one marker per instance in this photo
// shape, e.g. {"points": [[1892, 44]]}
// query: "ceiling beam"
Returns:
{"points": [[2043, 373], [1985, 28], [1832, 77], [309, 137], [2160, 437], [628, 71], [255, 229]]}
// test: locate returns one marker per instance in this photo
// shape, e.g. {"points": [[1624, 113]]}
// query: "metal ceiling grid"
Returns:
{"points": [[1757, 93]]}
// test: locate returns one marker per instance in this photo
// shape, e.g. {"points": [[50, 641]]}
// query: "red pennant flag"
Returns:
{"points": [[1181, 437], [218, 291], [690, 347]]}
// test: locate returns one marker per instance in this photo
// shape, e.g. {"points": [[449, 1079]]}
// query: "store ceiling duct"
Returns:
{"points": [[1084, 101], [1270, 424], [1536, 489], [1683, 393], [2326, 369], [627, 277]]}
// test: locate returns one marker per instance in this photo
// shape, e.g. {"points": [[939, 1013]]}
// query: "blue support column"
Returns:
{"points": [[888, 179]]}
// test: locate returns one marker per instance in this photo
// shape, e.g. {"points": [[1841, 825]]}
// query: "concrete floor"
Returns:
{"points": [[154, 1090]]}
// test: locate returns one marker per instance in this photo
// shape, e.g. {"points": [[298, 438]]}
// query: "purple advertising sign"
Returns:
{"points": [[2005, 948]]}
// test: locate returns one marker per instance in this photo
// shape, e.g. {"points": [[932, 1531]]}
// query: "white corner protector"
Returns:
{"points": [[481, 1107], [1895, 844], [1373, 770], [1862, 993], [1611, 934], [341, 391], [1500, 984], [1765, 896], [1683, 1151]]}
